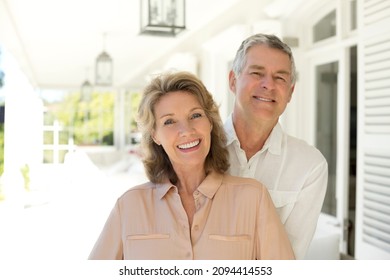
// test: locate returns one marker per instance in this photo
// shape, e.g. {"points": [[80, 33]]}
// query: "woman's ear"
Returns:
{"points": [[154, 139]]}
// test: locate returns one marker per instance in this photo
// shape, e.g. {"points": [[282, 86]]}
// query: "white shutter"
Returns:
{"points": [[373, 174]]}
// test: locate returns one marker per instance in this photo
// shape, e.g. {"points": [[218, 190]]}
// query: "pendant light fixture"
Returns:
{"points": [[86, 88], [162, 17], [104, 67], [86, 91]]}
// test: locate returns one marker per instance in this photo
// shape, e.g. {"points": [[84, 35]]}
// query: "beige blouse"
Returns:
{"points": [[235, 219]]}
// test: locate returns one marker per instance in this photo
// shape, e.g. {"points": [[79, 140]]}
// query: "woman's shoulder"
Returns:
{"points": [[138, 190]]}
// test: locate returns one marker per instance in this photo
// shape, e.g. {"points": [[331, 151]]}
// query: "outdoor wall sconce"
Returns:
{"points": [[162, 17]]}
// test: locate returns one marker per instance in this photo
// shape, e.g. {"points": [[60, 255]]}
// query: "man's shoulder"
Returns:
{"points": [[298, 142], [302, 147]]}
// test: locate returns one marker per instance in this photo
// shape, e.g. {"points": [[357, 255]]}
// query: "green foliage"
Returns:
{"points": [[89, 122]]}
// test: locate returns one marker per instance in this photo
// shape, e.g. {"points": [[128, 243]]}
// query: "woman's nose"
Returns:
{"points": [[185, 128]]}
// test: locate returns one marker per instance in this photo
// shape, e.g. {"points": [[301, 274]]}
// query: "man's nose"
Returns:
{"points": [[268, 82]]}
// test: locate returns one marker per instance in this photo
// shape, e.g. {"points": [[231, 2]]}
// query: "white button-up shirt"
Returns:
{"points": [[296, 175]]}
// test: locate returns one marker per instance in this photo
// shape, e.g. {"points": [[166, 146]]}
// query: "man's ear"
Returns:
{"points": [[232, 81]]}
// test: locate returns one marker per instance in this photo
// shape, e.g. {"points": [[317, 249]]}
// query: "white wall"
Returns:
{"points": [[23, 127]]}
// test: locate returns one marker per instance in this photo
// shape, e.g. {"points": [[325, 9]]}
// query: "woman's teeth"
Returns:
{"points": [[189, 145]]}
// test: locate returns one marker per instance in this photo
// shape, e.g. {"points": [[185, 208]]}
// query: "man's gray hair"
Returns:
{"points": [[269, 40]]}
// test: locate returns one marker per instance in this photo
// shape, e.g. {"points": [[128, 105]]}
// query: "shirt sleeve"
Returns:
{"points": [[109, 244], [307, 210], [273, 242]]}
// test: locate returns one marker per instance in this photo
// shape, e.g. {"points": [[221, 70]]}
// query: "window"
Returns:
{"points": [[132, 100], [325, 27], [353, 15], [326, 76], [74, 120]]}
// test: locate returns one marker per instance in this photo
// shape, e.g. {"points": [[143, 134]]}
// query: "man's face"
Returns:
{"points": [[264, 86]]}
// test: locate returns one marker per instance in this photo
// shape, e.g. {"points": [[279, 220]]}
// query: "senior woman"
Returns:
{"points": [[190, 208]]}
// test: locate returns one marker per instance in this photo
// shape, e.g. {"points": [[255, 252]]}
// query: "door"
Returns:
{"points": [[334, 88]]}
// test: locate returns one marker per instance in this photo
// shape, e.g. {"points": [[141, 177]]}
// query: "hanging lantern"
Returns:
{"points": [[86, 88], [86, 91], [103, 68], [162, 17]]}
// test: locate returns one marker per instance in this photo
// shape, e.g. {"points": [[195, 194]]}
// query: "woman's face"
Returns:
{"points": [[183, 130]]}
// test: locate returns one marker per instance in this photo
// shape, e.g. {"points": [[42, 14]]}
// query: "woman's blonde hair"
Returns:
{"points": [[156, 162]]}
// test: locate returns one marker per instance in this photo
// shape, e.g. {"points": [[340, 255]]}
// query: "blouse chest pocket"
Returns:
{"points": [[233, 247], [148, 246], [284, 202]]}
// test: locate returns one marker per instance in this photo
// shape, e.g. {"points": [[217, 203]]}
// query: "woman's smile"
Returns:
{"points": [[189, 145]]}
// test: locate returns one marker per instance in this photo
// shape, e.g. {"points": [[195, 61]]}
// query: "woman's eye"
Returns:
{"points": [[169, 121], [196, 115]]}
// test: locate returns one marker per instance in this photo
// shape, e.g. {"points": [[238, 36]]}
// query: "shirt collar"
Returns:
{"points": [[208, 187], [229, 129], [211, 184], [273, 143], [163, 188]]}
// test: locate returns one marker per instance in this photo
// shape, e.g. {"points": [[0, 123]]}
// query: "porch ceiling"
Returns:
{"points": [[56, 42]]}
